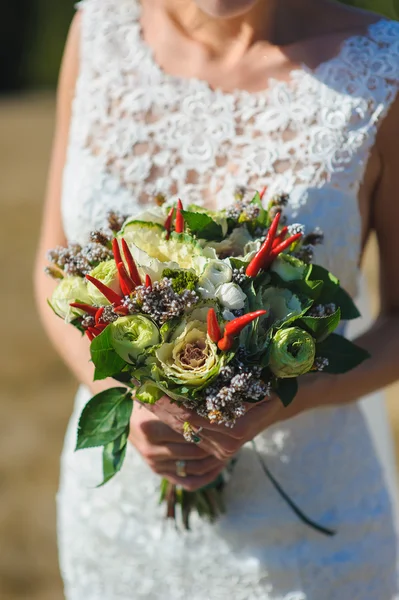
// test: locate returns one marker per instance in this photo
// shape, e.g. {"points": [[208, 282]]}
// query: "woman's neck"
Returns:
{"points": [[279, 22]]}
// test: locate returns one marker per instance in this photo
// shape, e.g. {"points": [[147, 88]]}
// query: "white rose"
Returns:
{"points": [[231, 296], [218, 272]]}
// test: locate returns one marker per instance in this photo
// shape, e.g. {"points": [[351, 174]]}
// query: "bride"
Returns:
{"points": [[194, 98]]}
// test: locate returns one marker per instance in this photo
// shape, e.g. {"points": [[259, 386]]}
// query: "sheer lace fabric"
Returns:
{"points": [[136, 132]]}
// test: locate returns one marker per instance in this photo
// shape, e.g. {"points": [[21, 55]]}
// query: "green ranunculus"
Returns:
{"points": [[292, 352], [190, 358], [70, 289], [133, 335], [107, 273]]}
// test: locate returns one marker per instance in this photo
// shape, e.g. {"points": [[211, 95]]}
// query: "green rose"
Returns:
{"points": [[292, 352], [133, 335], [70, 289], [107, 273], [190, 358]]}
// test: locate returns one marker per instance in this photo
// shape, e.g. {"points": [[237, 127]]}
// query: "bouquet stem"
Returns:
{"points": [[180, 503]]}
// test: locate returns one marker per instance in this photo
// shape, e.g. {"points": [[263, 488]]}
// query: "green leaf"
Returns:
{"points": [[114, 455], [311, 289], [104, 357], [203, 225], [321, 327], [262, 220], [306, 303], [333, 292], [78, 324], [286, 390], [104, 418], [342, 354], [123, 377], [348, 307], [149, 393], [236, 263], [317, 272]]}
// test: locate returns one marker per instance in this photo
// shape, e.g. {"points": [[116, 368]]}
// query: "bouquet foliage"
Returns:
{"points": [[214, 309]]}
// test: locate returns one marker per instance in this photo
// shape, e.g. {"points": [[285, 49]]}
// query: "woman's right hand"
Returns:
{"points": [[161, 447]]}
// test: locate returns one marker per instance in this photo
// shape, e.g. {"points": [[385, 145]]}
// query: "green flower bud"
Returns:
{"points": [[133, 335], [292, 352], [107, 273], [70, 289]]}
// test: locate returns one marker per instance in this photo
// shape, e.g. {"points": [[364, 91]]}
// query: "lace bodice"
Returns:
{"points": [[137, 132]]}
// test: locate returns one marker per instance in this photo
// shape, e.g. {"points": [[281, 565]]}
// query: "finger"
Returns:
{"points": [[160, 433], [169, 420], [192, 467], [182, 451], [193, 482], [176, 416]]}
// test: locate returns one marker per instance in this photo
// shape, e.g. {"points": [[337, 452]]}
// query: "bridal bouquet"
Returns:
{"points": [[214, 309]]}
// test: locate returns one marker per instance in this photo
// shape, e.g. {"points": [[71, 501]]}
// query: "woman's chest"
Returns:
{"points": [[182, 138]]}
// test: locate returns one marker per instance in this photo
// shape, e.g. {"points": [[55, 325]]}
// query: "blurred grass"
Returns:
{"points": [[36, 393]]}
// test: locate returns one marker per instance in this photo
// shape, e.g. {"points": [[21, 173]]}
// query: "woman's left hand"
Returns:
{"points": [[224, 442]]}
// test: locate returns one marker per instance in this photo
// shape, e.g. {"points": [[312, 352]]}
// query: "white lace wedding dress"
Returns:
{"points": [[136, 132]]}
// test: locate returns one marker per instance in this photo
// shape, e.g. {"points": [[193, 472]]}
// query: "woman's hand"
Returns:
{"points": [[224, 442], [161, 447], [221, 441]]}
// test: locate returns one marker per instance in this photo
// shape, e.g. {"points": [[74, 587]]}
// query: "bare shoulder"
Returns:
{"points": [[330, 26]]}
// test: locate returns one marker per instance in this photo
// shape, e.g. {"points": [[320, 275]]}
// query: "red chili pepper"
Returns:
{"points": [[121, 310], [89, 335], [90, 310], [168, 222], [262, 192], [133, 271], [179, 224], [233, 328], [283, 246], [110, 295], [93, 331], [98, 315], [100, 327], [127, 285], [260, 257], [280, 237], [116, 251], [148, 282], [213, 326]]}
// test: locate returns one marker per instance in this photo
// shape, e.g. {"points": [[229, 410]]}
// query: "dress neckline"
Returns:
{"points": [[295, 76]]}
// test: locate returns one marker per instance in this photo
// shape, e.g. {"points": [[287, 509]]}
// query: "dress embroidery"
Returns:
{"points": [[136, 132]]}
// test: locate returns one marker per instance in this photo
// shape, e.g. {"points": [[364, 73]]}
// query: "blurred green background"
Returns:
{"points": [[32, 34]]}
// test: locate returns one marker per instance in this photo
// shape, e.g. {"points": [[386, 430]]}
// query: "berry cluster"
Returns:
{"points": [[236, 384], [78, 260], [322, 310], [160, 301], [239, 276]]}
